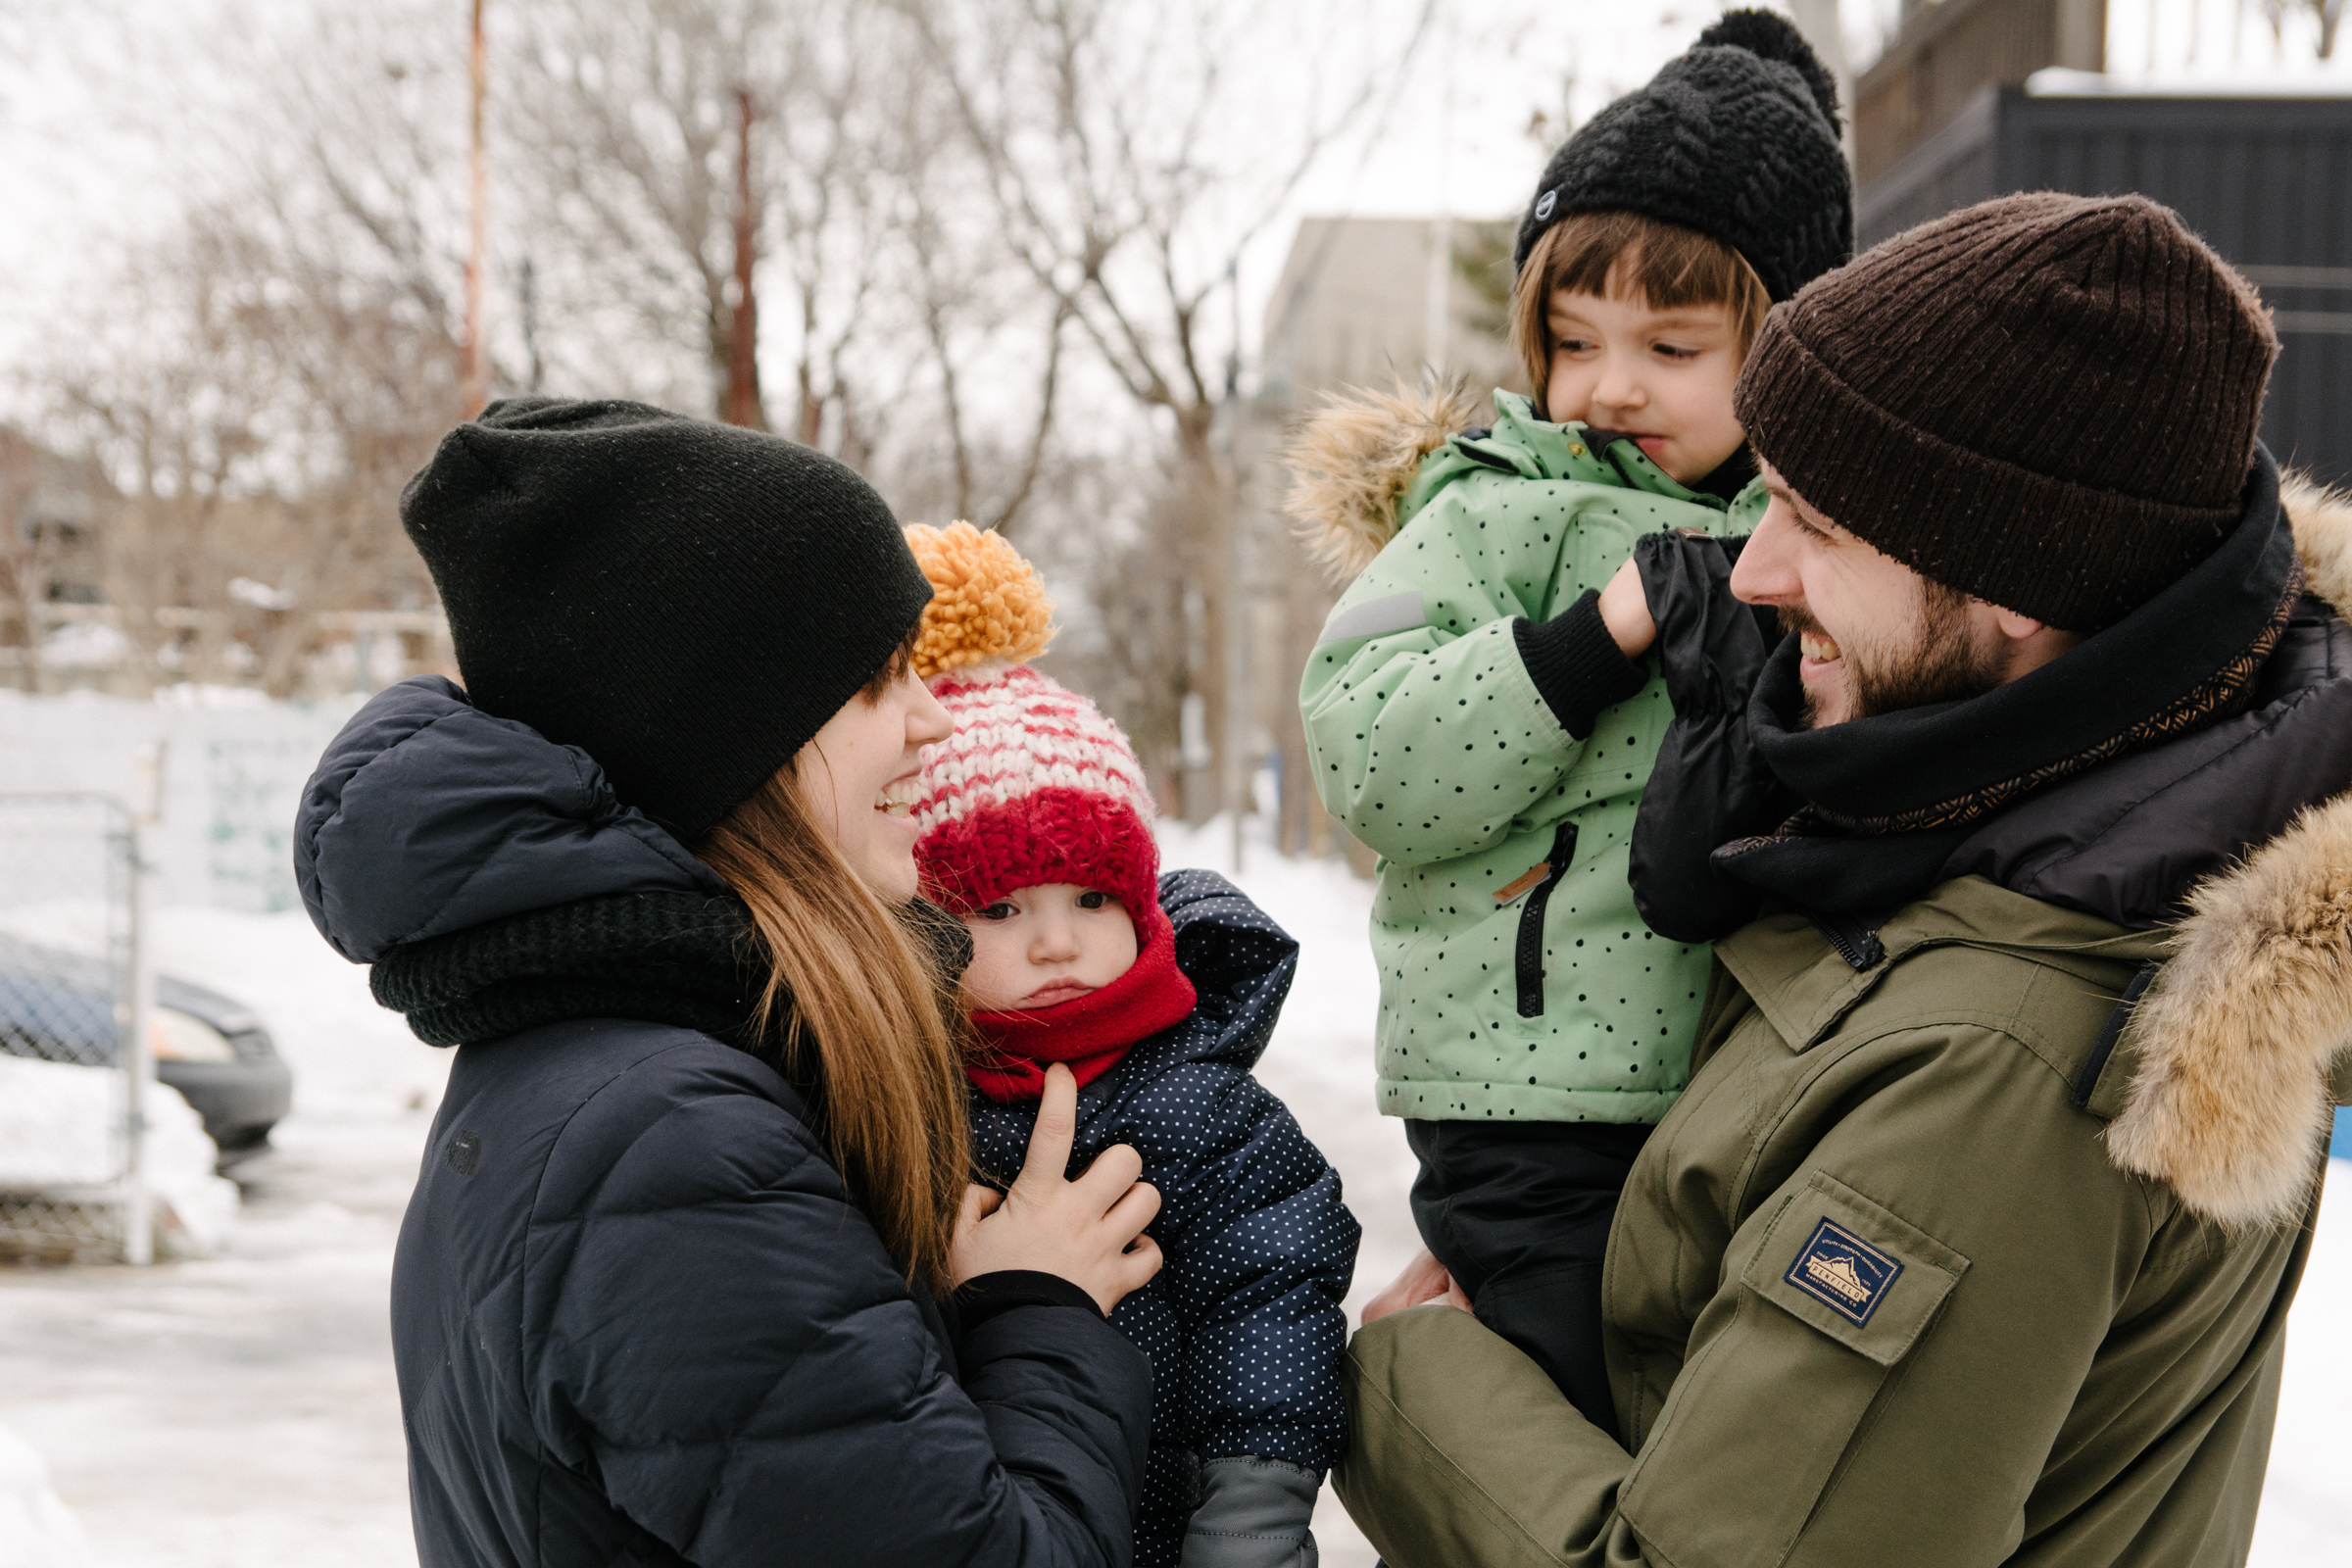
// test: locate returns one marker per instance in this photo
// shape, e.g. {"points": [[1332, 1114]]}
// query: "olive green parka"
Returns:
{"points": [[1973, 1246]]}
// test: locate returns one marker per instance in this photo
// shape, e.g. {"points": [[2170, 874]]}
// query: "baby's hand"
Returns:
{"points": [[1423, 1281]]}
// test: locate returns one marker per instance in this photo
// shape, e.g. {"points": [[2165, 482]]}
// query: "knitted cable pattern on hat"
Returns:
{"points": [[1035, 786], [1735, 139], [987, 603]]}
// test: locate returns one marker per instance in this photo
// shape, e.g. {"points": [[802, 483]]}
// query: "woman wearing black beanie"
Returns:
{"points": [[690, 1274]]}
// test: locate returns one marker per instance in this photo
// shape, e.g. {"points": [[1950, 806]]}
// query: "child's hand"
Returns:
{"points": [[1089, 1231], [1423, 1281], [1624, 611]]}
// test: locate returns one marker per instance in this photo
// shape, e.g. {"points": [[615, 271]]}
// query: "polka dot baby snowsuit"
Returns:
{"points": [[1243, 1323]]}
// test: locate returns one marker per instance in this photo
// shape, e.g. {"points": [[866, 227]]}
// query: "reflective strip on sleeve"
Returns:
{"points": [[1375, 618]]}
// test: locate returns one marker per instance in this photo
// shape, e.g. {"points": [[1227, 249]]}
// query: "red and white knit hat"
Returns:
{"points": [[1036, 785]]}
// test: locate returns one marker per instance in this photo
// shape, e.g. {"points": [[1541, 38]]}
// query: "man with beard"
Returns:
{"points": [[1972, 1239]]}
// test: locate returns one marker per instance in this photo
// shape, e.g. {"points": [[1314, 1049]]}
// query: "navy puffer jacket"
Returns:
{"points": [[1243, 1323], [636, 1315]]}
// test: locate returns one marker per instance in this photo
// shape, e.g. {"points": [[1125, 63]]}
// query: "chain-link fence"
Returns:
{"points": [[74, 1064]]}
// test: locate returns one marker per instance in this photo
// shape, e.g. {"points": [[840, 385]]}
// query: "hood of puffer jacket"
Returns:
{"points": [[1240, 963], [426, 816], [1352, 459], [2243, 1036], [1359, 471]]}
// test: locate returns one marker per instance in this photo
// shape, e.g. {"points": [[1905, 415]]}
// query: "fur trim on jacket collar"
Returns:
{"points": [[2241, 1032], [1353, 460]]}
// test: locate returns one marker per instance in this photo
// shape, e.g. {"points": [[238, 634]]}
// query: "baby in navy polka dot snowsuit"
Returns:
{"points": [[1243, 1324], [1158, 994]]}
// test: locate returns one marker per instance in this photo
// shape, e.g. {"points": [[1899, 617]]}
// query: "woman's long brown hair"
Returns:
{"points": [[850, 984]]}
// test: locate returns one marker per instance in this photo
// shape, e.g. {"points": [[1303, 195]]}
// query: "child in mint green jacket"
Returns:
{"points": [[1471, 713]]}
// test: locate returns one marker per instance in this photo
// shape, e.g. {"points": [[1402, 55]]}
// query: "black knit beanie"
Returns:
{"points": [[2047, 401], [1737, 139], [686, 601]]}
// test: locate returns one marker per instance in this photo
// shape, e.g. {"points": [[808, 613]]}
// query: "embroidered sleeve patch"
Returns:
{"points": [[1844, 1272], [1852, 1269]]}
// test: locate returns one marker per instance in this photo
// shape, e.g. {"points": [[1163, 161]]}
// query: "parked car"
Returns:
{"points": [[59, 1006]]}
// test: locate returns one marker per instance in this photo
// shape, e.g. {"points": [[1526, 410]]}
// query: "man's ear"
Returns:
{"points": [[2028, 643], [2014, 626]]}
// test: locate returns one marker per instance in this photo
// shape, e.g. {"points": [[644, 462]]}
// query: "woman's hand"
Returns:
{"points": [[1625, 609], [1423, 1281], [1089, 1231]]}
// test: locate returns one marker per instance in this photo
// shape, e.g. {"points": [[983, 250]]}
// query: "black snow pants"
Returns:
{"points": [[1519, 1215]]}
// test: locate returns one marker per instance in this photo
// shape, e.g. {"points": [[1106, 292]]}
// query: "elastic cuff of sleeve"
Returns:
{"points": [[1575, 665], [983, 1297]]}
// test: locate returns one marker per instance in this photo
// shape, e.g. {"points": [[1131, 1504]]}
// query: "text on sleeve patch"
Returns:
{"points": [[1843, 1272]]}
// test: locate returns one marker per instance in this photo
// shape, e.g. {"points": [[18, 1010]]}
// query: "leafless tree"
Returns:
{"points": [[985, 327], [261, 378], [995, 243], [2328, 14], [1104, 131], [623, 121], [877, 264]]}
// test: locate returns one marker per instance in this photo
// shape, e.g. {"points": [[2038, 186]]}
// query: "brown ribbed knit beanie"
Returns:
{"points": [[2047, 401]]}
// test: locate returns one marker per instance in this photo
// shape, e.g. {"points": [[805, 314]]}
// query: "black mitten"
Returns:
{"points": [[1709, 786]]}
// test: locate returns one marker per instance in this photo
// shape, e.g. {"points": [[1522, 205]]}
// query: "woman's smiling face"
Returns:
{"points": [[858, 777]]}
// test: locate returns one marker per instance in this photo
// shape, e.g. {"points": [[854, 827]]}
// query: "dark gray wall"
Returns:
{"points": [[2268, 181]]}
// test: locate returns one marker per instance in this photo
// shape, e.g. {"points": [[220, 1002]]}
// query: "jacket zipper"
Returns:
{"points": [[1856, 943], [1530, 955]]}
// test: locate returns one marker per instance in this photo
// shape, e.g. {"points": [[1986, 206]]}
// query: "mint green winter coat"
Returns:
{"points": [[1509, 986]]}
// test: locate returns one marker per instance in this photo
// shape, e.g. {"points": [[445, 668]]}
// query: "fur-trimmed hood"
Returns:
{"points": [[2243, 1038], [1354, 458]]}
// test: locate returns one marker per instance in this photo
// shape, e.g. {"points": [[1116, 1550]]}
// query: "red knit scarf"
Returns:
{"points": [[1089, 1033]]}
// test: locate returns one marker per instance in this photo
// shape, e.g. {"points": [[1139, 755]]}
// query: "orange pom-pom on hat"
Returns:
{"points": [[987, 603]]}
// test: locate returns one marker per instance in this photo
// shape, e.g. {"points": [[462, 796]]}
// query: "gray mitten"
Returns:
{"points": [[1253, 1513]]}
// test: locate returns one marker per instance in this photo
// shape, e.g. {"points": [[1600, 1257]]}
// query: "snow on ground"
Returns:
{"points": [[239, 1411], [36, 1528], [1320, 1062]]}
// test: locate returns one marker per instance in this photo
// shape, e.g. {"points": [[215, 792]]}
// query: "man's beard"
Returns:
{"points": [[1938, 665]]}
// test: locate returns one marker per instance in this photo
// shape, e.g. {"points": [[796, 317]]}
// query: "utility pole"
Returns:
{"points": [[1824, 29], [1241, 606], [476, 378], [1435, 330], [743, 339]]}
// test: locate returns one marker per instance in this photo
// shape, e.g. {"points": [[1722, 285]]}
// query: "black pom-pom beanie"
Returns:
{"points": [[1737, 139], [686, 601]]}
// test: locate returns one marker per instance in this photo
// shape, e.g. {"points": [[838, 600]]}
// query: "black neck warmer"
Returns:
{"points": [[1888, 800], [683, 958]]}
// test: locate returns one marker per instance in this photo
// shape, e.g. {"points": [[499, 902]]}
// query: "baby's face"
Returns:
{"points": [[1663, 377], [1045, 945]]}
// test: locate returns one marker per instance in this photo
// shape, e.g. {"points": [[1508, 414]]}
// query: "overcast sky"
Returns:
{"points": [[78, 180], [76, 183]]}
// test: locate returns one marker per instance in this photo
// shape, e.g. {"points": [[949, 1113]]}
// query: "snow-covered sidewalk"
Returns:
{"points": [[240, 1412]]}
